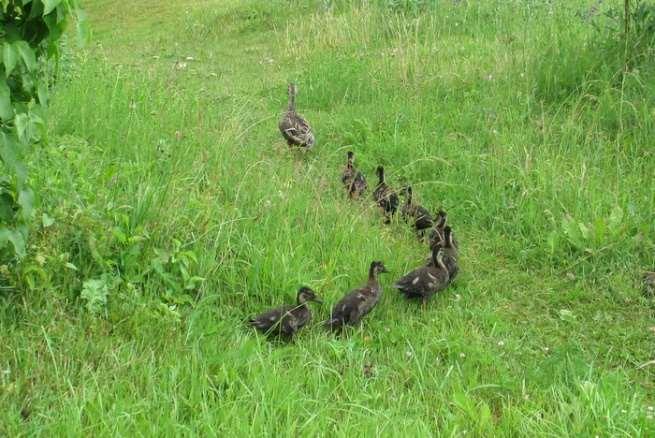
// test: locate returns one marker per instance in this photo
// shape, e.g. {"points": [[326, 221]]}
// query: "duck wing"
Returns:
{"points": [[423, 218], [270, 321], [297, 318], [352, 307], [386, 198], [422, 282], [358, 186], [348, 176], [296, 130]]}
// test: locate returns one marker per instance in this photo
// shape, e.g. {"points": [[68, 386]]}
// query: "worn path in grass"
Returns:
{"points": [[164, 164]]}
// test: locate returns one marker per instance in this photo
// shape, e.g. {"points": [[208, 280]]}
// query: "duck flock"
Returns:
{"points": [[433, 276]]}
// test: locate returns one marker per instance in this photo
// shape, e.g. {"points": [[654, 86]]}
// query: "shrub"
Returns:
{"points": [[28, 44]]}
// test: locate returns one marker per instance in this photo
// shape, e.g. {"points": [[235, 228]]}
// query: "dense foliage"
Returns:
{"points": [[28, 39]]}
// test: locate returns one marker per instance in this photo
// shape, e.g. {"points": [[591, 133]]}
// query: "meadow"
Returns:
{"points": [[170, 210]]}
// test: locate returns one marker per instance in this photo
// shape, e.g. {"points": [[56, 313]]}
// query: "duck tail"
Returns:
{"points": [[332, 324], [253, 322], [400, 285]]}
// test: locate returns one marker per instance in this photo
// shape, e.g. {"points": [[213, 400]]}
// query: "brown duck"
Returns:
{"points": [[450, 253], [416, 213], [385, 196], [352, 179], [358, 302], [427, 280], [294, 128], [286, 320], [437, 231]]}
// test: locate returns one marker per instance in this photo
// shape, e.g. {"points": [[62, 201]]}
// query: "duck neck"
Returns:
{"points": [[438, 261], [381, 177], [435, 256], [409, 197], [292, 100], [372, 276]]}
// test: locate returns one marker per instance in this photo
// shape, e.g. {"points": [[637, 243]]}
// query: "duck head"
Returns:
{"points": [[380, 173], [306, 294], [408, 193], [448, 237], [377, 267], [441, 219], [351, 157]]}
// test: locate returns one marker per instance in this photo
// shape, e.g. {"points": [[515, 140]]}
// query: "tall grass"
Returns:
{"points": [[164, 176]]}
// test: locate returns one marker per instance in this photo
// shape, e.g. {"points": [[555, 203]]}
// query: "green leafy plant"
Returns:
{"points": [[28, 42], [95, 292], [175, 269]]}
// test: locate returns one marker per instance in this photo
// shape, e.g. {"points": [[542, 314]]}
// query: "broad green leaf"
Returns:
{"points": [[14, 237], [6, 111], [82, 28], [94, 293], [9, 154], [21, 122], [26, 203], [29, 127], [7, 207], [26, 52], [49, 5], [8, 151], [42, 91], [9, 57], [46, 220], [36, 9]]}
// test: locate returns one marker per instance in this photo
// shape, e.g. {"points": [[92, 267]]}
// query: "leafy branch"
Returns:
{"points": [[29, 35]]}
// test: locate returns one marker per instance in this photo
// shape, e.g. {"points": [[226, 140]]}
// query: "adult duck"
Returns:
{"points": [[294, 128]]}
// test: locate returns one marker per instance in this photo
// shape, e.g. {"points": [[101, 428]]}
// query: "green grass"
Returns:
{"points": [[509, 114]]}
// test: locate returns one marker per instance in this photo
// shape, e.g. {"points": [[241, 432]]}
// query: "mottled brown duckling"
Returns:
{"points": [[451, 254], [427, 280], [286, 320], [352, 179], [294, 128], [649, 284], [385, 196], [437, 232], [416, 213], [358, 302]]}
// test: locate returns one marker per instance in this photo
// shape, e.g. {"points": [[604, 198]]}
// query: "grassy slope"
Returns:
{"points": [[154, 170]]}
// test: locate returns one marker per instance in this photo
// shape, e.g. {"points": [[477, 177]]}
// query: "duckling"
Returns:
{"points": [[451, 254], [385, 196], [294, 128], [411, 211], [649, 284], [427, 280], [352, 179], [437, 231], [358, 302], [288, 319]]}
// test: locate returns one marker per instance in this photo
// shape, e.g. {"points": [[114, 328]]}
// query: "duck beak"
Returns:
{"points": [[385, 270], [317, 300]]}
